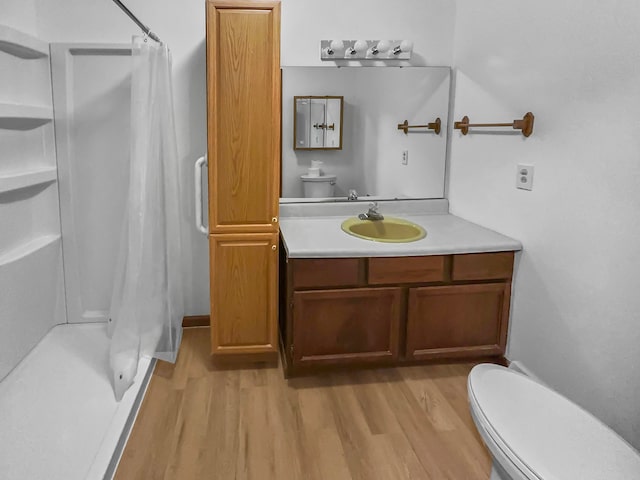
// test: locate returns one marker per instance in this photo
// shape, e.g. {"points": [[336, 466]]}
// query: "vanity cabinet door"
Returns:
{"points": [[346, 326], [458, 321], [244, 279]]}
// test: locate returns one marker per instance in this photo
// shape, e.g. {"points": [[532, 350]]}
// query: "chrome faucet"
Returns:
{"points": [[372, 214], [353, 195]]}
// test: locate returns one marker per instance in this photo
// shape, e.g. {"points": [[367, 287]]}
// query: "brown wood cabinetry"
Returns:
{"points": [[363, 311], [457, 321], [361, 324], [482, 266], [243, 125], [407, 269], [244, 285]]}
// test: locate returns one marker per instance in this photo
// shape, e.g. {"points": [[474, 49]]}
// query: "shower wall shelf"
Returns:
{"points": [[525, 125], [22, 45], [18, 180], [24, 117], [28, 248]]}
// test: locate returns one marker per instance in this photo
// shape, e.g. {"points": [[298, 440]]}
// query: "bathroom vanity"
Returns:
{"points": [[345, 301]]}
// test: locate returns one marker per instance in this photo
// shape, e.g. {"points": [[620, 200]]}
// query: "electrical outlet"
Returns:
{"points": [[524, 177], [405, 157]]}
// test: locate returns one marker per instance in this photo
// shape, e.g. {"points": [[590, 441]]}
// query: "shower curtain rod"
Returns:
{"points": [[142, 26]]}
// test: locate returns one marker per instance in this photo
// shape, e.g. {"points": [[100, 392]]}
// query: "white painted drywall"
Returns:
{"points": [[575, 65], [19, 14], [181, 24], [375, 101]]}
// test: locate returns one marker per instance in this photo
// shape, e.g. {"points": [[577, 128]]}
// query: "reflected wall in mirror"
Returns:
{"points": [[318, 123], [375, 101]]}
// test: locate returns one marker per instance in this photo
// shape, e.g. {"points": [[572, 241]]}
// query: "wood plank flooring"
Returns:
{"points": [[199, 421]]}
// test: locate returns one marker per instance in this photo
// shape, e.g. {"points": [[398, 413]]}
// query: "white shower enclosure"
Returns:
{"points": [[92, 93], [64, 157], [31, 275]]}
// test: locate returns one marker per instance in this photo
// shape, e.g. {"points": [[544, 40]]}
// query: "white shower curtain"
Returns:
{"points": [[147, 304]]}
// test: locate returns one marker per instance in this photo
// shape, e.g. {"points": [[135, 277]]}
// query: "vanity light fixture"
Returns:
{"points": [[366, 49], [335, 48], [357, 50], [406, 46], [381, 47]]}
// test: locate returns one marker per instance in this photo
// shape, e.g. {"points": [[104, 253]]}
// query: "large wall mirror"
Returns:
{"points": [[377, 160]]}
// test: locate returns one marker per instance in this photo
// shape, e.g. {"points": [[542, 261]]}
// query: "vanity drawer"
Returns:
{"points": [[327, 272], [407, 270], [482, 266]]}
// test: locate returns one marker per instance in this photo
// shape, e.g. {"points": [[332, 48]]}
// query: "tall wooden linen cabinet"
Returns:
{"points": [[243, 122]]}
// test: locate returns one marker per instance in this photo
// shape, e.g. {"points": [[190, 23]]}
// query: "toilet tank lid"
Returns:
{"points": [[552, 436], [320, 178]]}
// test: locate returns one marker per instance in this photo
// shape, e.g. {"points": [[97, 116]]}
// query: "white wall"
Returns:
{"points": [[182, 26], [575, 65], [19, 14]]}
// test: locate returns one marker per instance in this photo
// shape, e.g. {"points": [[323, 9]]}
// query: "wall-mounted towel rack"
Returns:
{"points": [[435, 126], [525, 125]]}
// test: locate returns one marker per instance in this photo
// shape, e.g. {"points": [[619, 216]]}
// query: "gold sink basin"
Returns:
{"points": [[391, 230]]}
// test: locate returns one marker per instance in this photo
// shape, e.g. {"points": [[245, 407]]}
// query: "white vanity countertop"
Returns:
{"points": [[322, 237]]}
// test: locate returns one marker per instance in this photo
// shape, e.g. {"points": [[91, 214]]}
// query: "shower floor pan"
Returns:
{"points": [[58, 416]]}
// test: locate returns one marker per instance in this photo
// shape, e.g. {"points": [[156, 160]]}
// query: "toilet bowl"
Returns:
{"points": [[318, 186], [534, 433]]}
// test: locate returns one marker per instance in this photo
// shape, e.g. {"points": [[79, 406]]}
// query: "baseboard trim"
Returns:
{"points": [[196, 321]]}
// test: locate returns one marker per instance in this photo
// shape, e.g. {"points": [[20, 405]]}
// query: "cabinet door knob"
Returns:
{"points": [[274, 219], [273, 247]]}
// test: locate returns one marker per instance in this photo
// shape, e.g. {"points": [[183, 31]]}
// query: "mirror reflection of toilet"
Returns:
{"points": [[315, 186], [534, 433]]}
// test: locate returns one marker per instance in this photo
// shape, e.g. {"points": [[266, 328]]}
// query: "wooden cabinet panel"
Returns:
{"points": [[244, 279], [327, 272], [243, 115], [346, 326], [407, 269], [458, 320], [482, 266]]}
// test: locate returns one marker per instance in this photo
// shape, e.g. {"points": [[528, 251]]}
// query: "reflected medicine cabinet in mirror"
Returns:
{"points": [[317, 122]]}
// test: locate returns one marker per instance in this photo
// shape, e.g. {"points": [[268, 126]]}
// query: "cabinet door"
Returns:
{"points": [[346, 326], [458, 321], [244, 278], [243, 115]]}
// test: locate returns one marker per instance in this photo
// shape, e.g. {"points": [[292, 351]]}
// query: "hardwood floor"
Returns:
{"points": [[199, 421]]}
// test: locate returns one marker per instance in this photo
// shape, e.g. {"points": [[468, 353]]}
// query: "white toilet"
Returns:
{"points": [[534, 433], [318, 186]]}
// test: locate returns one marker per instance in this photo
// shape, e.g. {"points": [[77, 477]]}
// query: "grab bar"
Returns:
{"points": [[198, 180]]}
